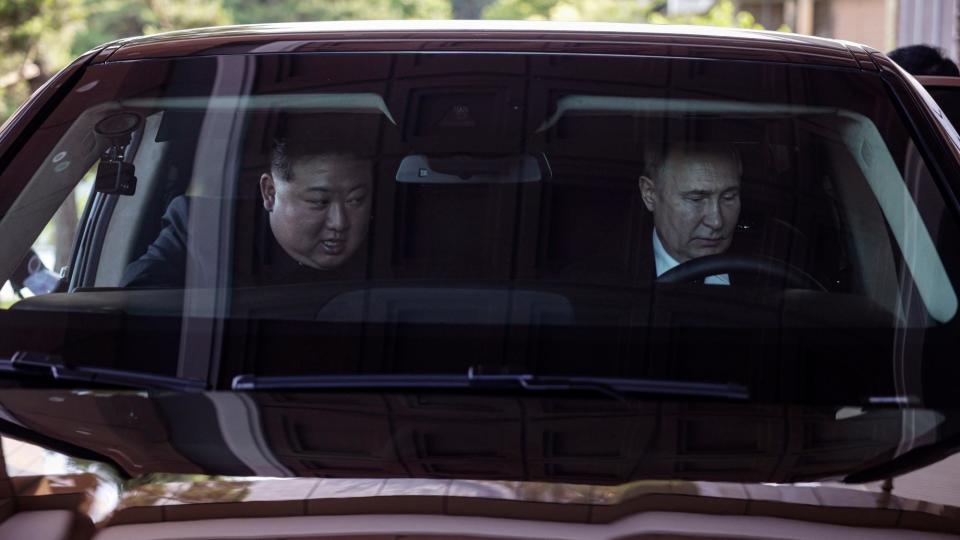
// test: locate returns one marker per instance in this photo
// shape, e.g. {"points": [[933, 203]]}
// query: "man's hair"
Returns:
{"points": [[657, 157], [320, 136], [285, 153], [924, 60]]}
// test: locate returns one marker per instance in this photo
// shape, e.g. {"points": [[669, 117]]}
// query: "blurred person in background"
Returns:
{"points": [[924, 60]]}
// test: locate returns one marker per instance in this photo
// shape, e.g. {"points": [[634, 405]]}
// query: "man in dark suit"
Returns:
{"points": [[693, 192], [318, 210]]}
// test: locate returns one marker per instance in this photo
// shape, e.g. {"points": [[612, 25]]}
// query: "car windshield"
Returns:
{"points": [[287, 220]]}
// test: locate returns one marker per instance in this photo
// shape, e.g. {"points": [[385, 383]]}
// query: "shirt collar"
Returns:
{"points": [[666, 262], [663, 259]]}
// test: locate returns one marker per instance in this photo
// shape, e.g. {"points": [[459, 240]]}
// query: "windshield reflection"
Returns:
{"points": [[110, 500]]}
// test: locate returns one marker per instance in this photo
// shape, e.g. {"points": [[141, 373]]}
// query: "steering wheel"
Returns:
{"points": [[725, 263]]}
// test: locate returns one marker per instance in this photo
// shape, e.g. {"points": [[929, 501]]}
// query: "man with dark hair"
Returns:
{"points": [[318, 206], [924, 60], [693, 192]]}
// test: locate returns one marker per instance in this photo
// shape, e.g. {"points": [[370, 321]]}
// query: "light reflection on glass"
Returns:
{"points": [[63, 473]]}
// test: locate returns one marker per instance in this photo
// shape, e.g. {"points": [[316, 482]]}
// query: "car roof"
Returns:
{"points": [[494, 36]]}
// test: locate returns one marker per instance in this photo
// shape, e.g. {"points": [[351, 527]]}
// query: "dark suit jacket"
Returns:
{"points": [[165, 262]]}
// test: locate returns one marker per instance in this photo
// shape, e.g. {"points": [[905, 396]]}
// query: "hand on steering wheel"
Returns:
{"points": [[725, 263]]}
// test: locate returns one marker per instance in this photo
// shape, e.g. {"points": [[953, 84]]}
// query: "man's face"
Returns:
{"points": [[320, 214], [695, 203]]}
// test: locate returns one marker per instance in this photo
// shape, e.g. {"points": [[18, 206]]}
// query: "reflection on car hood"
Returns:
{"points": [[444, 436]]}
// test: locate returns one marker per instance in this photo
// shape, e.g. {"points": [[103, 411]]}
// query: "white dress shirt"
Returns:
{"points": [[666, 262]]}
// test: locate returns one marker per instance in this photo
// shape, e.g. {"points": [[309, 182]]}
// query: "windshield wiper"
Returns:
{"points": [[33, 364], [617, 388]]}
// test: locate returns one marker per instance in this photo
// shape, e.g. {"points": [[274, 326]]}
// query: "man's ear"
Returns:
{"points": [[268, 190], [648, 192]]}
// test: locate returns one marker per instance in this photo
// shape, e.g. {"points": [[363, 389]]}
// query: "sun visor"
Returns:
{"points": [[618, 105], [184, 115]]}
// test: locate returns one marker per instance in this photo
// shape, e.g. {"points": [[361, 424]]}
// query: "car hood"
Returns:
{"points": [[462, 436]]}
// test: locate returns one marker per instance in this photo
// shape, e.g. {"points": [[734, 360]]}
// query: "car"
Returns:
{"points": [[944, 91], [481, 280]]}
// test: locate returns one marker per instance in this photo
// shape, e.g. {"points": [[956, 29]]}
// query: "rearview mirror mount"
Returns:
{"points": [[465, 169]]}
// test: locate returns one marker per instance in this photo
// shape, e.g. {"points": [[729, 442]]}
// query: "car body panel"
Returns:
{"points": [[945, 91], [469, 436], [26, 115], [464, 36], [926, 117]]}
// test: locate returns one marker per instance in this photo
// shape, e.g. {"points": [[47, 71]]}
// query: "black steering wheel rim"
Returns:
{"points": [[726, 263]]}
